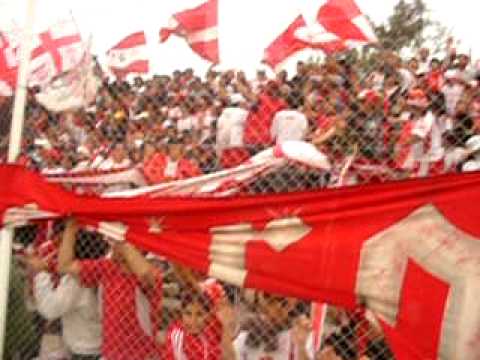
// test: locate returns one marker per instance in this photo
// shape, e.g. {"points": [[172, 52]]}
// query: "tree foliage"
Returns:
{"points": [[406, 27]]}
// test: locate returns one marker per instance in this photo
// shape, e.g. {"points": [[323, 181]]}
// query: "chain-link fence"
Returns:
{"points": [[379, 120]]}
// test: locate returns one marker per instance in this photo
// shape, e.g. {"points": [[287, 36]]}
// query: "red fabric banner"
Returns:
{"points": [[408, 251]]}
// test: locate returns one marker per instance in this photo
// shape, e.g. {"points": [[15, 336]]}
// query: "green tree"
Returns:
{"points": [[406, 27]]}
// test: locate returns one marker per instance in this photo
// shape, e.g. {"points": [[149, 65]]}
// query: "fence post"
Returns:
{"points": [[6, 235]]}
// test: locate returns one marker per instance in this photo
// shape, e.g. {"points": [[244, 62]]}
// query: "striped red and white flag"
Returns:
{"points": [[8, 65], [339, 25], [129, 56], [199, 28]]}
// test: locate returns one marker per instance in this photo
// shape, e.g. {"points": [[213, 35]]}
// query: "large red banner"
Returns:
{"points": [[408, 251]]}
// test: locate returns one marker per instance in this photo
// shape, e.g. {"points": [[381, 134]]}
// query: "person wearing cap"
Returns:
{"points": [[230, 129], [473, 148], [418, 123]]}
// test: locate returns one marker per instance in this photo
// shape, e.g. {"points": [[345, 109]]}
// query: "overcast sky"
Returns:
{"points": [[246, 26]]}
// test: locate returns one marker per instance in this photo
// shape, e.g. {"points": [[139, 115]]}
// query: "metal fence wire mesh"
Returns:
{"points": [[390, 119]]}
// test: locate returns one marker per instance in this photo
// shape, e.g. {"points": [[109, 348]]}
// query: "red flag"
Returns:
{"points": [[339, 25], [8, 65], [286, 44], [409, 251], [198, 26], [129, 56]]}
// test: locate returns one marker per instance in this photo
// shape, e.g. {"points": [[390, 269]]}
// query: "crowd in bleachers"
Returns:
{"points": [[401, 119]]}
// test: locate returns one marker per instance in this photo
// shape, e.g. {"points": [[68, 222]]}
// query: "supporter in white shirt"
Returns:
{"points": [[473, 147], [289, 125], [231, 123], [434, 144], [117, 160], [453, 91], [423, 59], [409, 80], [76, 306]]}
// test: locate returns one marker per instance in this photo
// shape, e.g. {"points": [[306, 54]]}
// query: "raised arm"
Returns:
{"points": [[138, 265], [66, 256]]}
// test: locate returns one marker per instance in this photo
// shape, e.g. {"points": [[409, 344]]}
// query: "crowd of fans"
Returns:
{"points": [[396, 120], [95, 301], [401, 119]]}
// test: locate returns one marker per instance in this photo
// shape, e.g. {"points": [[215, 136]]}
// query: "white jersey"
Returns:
{"points": [[230, 128], [453, 94], [289, 125], [76, 306]]}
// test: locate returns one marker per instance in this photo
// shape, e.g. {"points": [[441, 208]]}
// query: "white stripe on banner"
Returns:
{"points": [[114, 230], [364, 24], [203, 35], [123, 57]]}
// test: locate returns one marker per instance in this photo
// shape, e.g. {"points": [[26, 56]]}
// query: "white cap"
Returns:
{"points": [[473, 144]]}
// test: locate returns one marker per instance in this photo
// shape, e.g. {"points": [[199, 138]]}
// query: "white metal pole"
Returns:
{"points": [[6, 235]]}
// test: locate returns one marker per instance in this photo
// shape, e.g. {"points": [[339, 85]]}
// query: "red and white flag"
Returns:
{"points": [[72, 89], [56, 50], [339, 25], [129, 56], [199, 28], [8, 64]]}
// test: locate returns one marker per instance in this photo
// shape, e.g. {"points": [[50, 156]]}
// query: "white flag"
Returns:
{"points": [[74, 89]]}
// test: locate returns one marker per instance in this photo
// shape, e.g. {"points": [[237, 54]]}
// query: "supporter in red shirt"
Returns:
{"points": [[125, 281], [260, 118], [171, 166], [435, 76], [199, 335]]}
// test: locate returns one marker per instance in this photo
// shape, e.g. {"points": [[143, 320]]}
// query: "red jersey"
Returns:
{"points": [[205, 346], [160, 167], [259, 122], [128, 325]]}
